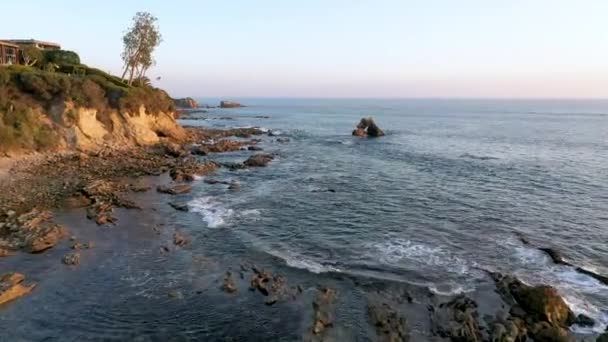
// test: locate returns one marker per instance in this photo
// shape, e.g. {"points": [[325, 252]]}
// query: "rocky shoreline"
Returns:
{"points": [[102, 180]]}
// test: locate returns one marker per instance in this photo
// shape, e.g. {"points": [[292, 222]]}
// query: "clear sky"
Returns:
{"points": [[343, 48]]}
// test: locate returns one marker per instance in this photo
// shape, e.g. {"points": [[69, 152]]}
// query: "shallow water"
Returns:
{"points": [[434, 204]]}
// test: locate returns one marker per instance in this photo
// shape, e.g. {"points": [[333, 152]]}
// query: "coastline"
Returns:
{"points": [[113, 187]]}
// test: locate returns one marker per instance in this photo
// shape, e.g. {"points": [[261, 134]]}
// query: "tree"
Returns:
{"points": [[62, 57], [139, 42], [31, 54]]}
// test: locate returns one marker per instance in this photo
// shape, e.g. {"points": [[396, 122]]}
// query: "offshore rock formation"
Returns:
{"points": [[367, 128], [186, 102], [11, 287], [230, 104]]}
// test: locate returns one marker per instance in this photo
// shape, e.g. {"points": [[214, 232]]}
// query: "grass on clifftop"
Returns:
{"points": [[27, 91]]}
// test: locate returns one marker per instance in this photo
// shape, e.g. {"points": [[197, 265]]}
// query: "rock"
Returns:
{"points": [[179, 239], [173, 149], [71, 259], [390, 326], [254, 148], [179, 206], [258, 160], [457, 320], [323, 306], [555, 255], [81, 246], [368, 128], [545, 332], [584, 321], [186, 102], [176, 294], [175, 189], [509, 331], [541, 303], [234, 166], [4, 252], [599, 277], [602, 338], [229, 285], [11, 287], [283, 140], [230, 104]]}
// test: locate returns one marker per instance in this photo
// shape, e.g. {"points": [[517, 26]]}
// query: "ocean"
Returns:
{"points": [[444, 197]]}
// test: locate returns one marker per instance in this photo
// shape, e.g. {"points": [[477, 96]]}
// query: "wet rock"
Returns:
{"points": [[176, 294], [215, 181], [71, 259], [139, 186], [368, 128], [76, 201], [262, 117], [457, 320], [36, 232], [509, 331], [254, 148], [4, 252], [230, 104], [234, 166], [179, 206], [228, 284], [189, 168], [259, 281], [603, 337], [541, 303], [180, 240], [175, 189], [599, 277], [283, 140], [12, 287], [555, 255], [584, 321], [258, 160], [82, 246], [323, 306], [545, 332], [390, 326], [224, 145]]}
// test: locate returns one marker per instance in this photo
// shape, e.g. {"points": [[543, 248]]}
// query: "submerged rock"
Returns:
{"points": [[175, 189], [11, 287], [457, 320], [390, 326], [179, 206], [228, 284], [71, 259], [180, 240], [367, 128], [258, 160], [324, 307]]}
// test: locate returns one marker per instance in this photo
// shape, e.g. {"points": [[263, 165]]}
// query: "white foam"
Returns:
{"points": [[397, 251], [298, 261], [212, 211]]}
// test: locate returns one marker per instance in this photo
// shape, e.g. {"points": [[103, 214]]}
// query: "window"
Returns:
{"points": [[10, 55]]}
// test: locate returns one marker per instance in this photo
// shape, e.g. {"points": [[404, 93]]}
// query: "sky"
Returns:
{"points": [[343, 48]]}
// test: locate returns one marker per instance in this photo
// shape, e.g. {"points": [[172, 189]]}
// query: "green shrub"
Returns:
{"points": [[61, 57]]}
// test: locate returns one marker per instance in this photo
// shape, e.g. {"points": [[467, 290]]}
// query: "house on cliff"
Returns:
{"points": [[10, 49]]}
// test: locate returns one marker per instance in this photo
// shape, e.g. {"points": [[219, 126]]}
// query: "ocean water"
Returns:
{"points": [[436, 203]]}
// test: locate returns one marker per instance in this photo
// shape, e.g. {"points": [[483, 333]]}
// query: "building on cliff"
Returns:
{"points": [[10, 51]]}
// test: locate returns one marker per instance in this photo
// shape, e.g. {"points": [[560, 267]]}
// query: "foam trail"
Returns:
{"points": [[212, 211]]}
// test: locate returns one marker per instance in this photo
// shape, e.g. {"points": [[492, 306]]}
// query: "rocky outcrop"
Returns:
{"points": [[324, 310], [367, 128], [230, 104], [12, 287], [174, 189], [34, 231], [457, 320], [186, 102], [258, 160], [390, 326]]}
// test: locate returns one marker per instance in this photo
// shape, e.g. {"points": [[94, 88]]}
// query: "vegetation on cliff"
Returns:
{"points": [[27, 95]]}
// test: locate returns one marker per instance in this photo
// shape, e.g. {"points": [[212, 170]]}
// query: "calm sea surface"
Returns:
{"points": [[437, 202]]}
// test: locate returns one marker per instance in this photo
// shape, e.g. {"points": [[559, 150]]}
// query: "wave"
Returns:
{"points": [[296, 260], [212, 211], [400, 251], [472, 156]]}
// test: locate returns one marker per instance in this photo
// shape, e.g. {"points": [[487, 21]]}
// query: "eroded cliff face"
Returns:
{"points": [[87, 128]]}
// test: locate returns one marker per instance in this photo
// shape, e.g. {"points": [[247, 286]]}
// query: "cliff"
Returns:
{"points": [[79, 108]]}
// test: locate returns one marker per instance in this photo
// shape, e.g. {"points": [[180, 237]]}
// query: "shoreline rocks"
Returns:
{"points": [[367, 128], [186, 102], [230, 104], [259, 160], [12, 287]]}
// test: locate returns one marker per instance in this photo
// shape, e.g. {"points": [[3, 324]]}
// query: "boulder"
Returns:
{"points": [[11, 287], [545, 332], [186, 102], [367, 128], [230, 104], [258, 160]]}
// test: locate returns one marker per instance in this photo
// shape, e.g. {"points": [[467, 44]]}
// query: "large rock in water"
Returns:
{"points": [[367, 128], [230, 104], [187, 102], [258, 160], [11, 287]]}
